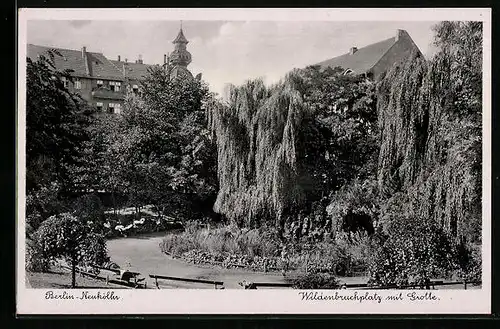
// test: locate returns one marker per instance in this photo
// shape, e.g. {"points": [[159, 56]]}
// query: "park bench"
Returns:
{"points": [[216, 284], [130, 278], [255, 285]]}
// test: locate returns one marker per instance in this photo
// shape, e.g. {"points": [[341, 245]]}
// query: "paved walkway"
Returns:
{"points": [[142, 254]]}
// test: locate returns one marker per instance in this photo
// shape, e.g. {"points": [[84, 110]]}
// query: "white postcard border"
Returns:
{"points": [[179, 301]]}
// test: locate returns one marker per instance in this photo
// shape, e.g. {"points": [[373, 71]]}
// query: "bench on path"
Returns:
{"points": [[130, 278], [255, 285], [216, 284]]}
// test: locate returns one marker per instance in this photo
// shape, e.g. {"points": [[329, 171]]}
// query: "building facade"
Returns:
{"points": [[375, 59], [104, 83]]}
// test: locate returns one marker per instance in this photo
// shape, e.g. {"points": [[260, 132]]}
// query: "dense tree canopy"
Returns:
{"points": [[430, 120], [159, 150], [283, 147], [56, 125]]}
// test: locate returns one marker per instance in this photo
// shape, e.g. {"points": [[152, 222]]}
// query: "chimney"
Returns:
{"points": [[353, 50], [119, 58], [399, 34], [86, 60], [140, 59], [164, 58]]}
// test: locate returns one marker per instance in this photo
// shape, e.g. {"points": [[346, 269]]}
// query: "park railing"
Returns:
{"points": [[107, 279], [363, 286], [130, 279], [216, 284]]}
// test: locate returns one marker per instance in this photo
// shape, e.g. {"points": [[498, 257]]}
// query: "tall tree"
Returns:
{"points": [[166, 157], [283, 147], [430, 118], [56, 123], [256, 136]]}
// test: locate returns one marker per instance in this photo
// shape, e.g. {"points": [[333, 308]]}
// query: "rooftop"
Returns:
{"points": [[180, 38], [362, 59], [134, 71], [92, 65]]}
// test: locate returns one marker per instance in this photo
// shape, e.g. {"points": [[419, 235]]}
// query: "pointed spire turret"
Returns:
{"points": [[180, 39], [180, 56]]}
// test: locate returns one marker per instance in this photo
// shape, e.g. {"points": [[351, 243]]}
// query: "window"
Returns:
{"points": [[115, 85], [65, 82], [98, 105], [78, 84], [348, 71], [99, 83], [114, 108], [135, 89]]}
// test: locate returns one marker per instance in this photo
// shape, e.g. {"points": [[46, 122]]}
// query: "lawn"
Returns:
{"points": [[61, 279]]}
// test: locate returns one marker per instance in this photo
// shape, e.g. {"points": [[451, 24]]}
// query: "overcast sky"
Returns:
{"points": [[226, 51]]}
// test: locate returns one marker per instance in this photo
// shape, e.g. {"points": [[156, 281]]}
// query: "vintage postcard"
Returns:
{"points": [[330, 160]]}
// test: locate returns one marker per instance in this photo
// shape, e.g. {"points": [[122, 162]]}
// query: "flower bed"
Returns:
{"points": [[227, 260]]}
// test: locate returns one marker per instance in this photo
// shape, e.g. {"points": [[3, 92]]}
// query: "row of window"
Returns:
{"points": [[114, 85], [112, 107]]}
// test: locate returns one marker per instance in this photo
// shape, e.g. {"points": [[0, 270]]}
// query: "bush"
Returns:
{"points": [[64, 236], [315, 281], [35, 262], [414, 249], [260, 249], [468, 262], [256, 242], [341, 257]]}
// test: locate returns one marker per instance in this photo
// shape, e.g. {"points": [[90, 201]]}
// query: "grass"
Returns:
{"points": [[61, 279]]}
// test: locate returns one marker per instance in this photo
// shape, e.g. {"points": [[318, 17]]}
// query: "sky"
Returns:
{"points": [[226, 51]]}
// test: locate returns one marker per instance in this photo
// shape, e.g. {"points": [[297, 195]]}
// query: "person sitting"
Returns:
{"points": [[125, 275]]}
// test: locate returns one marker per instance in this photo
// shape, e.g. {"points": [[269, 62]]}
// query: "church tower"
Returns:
{"points": [[180, 58]]}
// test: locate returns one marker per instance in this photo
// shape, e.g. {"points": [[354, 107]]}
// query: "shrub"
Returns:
{"points": [[468, 261], [35, 262], [414, 249], [256, 242], [315, 281], [343, 257], [64, 236]]}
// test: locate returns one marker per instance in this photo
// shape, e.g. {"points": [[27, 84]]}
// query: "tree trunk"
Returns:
{"points": [[114, 204], [73, 273]]}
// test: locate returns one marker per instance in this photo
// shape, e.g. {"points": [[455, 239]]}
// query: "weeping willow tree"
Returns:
{"points": [[256, 133], [430, 123]]}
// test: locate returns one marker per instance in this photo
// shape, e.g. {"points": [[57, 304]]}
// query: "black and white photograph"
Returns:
{"points": [[333, 160]]}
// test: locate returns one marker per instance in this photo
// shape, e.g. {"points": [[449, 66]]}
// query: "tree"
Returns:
{"points": [[430, 119], [56, 123], [256, 136], [65, 236], [56, 130], [287, 147], [429, 169], [160, 151]]}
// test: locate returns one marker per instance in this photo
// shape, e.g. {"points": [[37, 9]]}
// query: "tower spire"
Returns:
{"points": [[179, 59], [180, 56]]}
